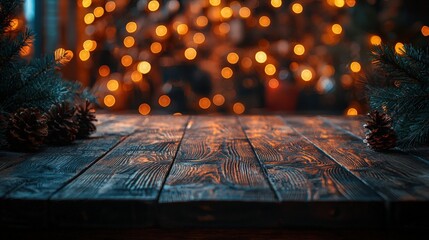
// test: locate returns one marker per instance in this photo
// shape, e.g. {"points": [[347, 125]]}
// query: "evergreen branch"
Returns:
{"points": [[8, 9], [12, 47]]}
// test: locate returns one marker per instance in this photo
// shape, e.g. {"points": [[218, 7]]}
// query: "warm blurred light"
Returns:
{"points": [[164, 101], [425, 31], [14, 23], [86, 3], [264, 21], [113, 85], [144, 67], [246, 62], [276, 3], [352, 112], [190, 53], [227, 72], [153, 5], [199, 38], [177, 114], [238, 108], [98, 11], [339, 3], [215, 2], [224, 28], [89, 18], [136, 76], [88, 45], [244, 12], [299, 49], [156, 47], [202, 21], [270, 69], [144, 109], [204, 103], [129, 41], [161, 31], [306, 75], [336, 28], [294, 66], [346, 81], [232, 57], [273, 83], [131, 27], [297, 8], [110, 6], [399, 48], [182, 29], [351, 3], [84, 55], [218, 99], [109, 100], [375, 40], [226, 12], [126, 60], [261, 57], [104, 71], [355, 67]]}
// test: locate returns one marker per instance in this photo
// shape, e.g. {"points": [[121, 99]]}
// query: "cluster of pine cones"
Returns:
{"points": [[27, 129]]}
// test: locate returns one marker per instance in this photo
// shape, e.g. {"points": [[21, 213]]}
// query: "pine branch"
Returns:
{"points": [[8, 9], [12, 47]]}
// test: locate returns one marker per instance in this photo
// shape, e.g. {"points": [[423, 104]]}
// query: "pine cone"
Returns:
{"points": [[85, 116], [62, 123], [27, 129], [380, 135]]}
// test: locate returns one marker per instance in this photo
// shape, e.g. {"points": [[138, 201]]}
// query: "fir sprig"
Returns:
{"points": [[399, 86]]}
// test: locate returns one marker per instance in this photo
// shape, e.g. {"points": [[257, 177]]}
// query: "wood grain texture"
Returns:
{"points": [[395, 175], [298, 170]]}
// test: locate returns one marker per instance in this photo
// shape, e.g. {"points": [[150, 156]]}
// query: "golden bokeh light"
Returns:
{"points": [[109, 100], [156, 47], [126, 60], [14, 24], [199, 38], [215, 3], [86, 3], [136, 76], [98, 12], [190, 53], [264, 21], [104, 71], [261, 57], [182, 29], [355, 67], [153, 5], [352, 111], [84, 55], [226, 72], [425, 31], [299, 49], [161, 30], [164, 101], [144, 109], [131, 27], [270, 69], [273, 83], [110, 6], [89, 18], [129, 41], [339, 3], [218, 99], [399, 48], [88, 45], [336, 28], [202, 21], [113, 85], [238, 108], [276, 3], [244, 12], [226, 12], [232, 58], [144, 67], [297, 8], [204, 103], [306, 75], [351, 3], [224, 28], [375, 40]]}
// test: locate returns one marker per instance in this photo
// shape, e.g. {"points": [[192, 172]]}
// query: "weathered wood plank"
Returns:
{"points": [[215, 163], [394, 175], [130, 176], [297, 169]]}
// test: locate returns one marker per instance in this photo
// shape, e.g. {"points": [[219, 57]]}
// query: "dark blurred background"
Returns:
{"points": [[222, 56]]}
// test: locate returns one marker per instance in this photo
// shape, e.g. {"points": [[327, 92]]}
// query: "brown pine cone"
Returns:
{"points": [[62, 124], [380, 134], [27, 129], [85, 116]]}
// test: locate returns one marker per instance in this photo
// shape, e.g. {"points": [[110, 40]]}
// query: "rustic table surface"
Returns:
{"points": [[222, 171]]}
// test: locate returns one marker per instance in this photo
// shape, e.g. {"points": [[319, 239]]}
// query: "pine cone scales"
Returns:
{"points": [[85, 116], [27, 129], [380, 135], [63, 127]]}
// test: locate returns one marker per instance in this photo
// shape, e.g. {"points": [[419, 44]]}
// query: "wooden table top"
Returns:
{"points": [[229, 171]]}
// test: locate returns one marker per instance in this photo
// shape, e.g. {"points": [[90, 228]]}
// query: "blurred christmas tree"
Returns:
{"points": [[233, 56]]}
